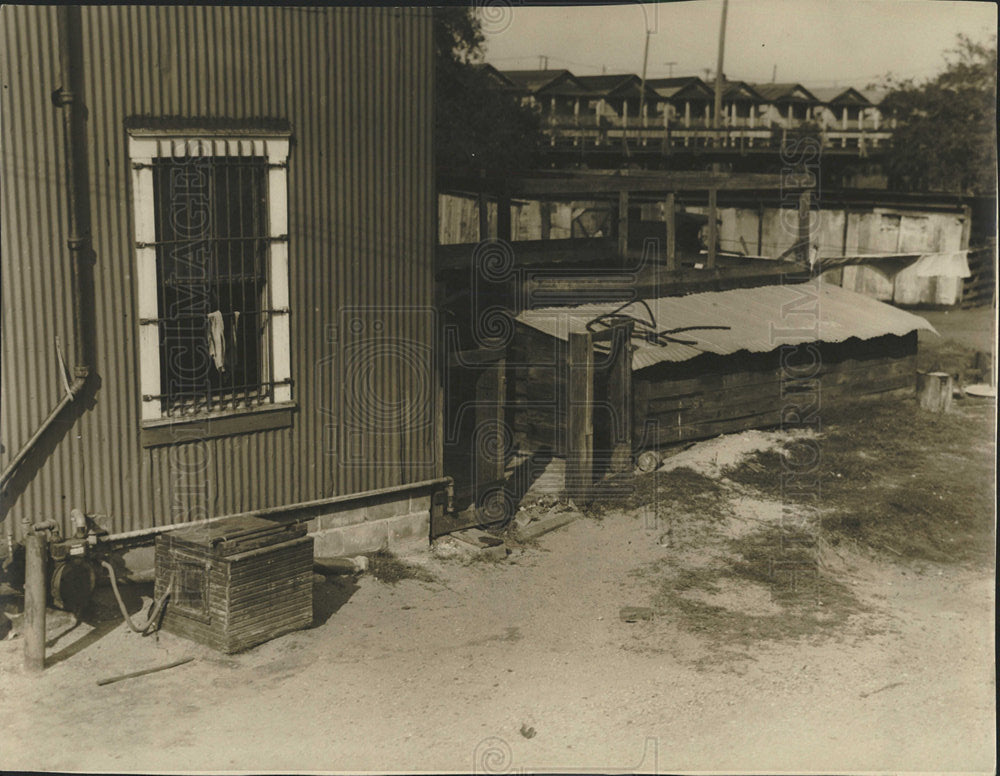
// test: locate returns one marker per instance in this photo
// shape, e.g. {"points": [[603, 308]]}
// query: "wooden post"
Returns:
{"points": [[620, 398], [580, 416], [847, 224], [934, 390], [712, 226], [622, 225], [670, 216], [484, 216], [34, 601], [803, 241], [490, 444], [966, 227], [503, 217], [760, 227], [545, 215]]}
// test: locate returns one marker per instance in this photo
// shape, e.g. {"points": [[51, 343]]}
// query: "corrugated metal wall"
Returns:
{"points": [[356, 86]]}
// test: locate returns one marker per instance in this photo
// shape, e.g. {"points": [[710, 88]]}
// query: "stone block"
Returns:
{"points": [[351, 540], [420, 503], [342, 518], [388, 506], [409, 534]]}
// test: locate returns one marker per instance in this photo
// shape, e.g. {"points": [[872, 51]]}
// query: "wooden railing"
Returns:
{"points": [[613, 133]]}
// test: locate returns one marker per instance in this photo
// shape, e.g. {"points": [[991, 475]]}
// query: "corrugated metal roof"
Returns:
{"points": [[757, 320], [951, 264]]}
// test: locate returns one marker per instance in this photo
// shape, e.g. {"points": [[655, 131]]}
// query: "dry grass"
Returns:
{"points": [[678, 488], [893, 477]]}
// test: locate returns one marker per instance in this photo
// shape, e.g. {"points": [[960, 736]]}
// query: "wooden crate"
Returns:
{"points": [[237, 582]]}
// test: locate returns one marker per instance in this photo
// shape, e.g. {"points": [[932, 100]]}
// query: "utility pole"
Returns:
{"points": [[670, 72], [642, 89], [718, 66], [774, 73], [713, 193], [543, 62]]}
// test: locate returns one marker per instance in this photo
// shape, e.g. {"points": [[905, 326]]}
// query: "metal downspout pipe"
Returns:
{"points": [[68, 97]]}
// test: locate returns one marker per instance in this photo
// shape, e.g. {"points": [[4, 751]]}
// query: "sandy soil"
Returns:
{"points": [[525, 664]]}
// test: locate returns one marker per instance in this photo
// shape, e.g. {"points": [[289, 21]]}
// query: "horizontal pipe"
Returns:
{"points": [[74, 389], [284, 509]]}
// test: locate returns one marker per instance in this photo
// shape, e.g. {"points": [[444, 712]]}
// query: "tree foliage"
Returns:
{"points": [[476, 124], [945, 134]]}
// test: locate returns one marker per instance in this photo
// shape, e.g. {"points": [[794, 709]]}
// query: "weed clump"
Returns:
{"points": [[386, 567]]}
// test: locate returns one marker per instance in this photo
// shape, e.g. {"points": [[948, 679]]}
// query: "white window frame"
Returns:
{"points": [[144, 146]]}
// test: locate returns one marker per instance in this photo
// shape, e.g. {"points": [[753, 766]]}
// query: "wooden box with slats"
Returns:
{"points": [[237, 582]]}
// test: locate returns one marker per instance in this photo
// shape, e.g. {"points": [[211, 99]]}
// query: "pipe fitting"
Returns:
{"points": [[62, 97], [79, 522]]}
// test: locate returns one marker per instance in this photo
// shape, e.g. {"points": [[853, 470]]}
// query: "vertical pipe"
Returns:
{"points": [[34, 602], [69, 97]]}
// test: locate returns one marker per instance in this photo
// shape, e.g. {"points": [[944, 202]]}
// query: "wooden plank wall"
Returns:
{"points": [[712, 394], [536, 390], [980, 287]]}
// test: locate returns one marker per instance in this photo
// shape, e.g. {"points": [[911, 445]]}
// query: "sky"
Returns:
{"points": [[814, 42]]}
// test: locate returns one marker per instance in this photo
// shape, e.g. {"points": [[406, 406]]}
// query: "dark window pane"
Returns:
{"points": [[211, 231]]}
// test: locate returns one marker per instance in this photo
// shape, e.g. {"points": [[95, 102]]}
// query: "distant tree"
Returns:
{"points": [[945, 134], [476, 124]]}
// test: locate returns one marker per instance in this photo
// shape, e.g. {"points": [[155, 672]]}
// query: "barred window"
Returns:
{"points": [[211, 248]]}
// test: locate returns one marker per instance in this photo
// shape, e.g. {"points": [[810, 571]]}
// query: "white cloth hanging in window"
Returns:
{"points": [[217, 340]]}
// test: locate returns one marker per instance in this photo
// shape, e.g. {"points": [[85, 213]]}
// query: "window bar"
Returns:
{"points": [[226, 383], [200, 316], [245, 376], [214, 259], [161, 295], [255, 230], [188, 406]]}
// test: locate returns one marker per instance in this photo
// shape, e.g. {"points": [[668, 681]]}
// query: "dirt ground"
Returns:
{"points": [[771, 634]]}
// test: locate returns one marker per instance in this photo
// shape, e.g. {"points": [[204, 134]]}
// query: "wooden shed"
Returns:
{"points": [[704, 364]]}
